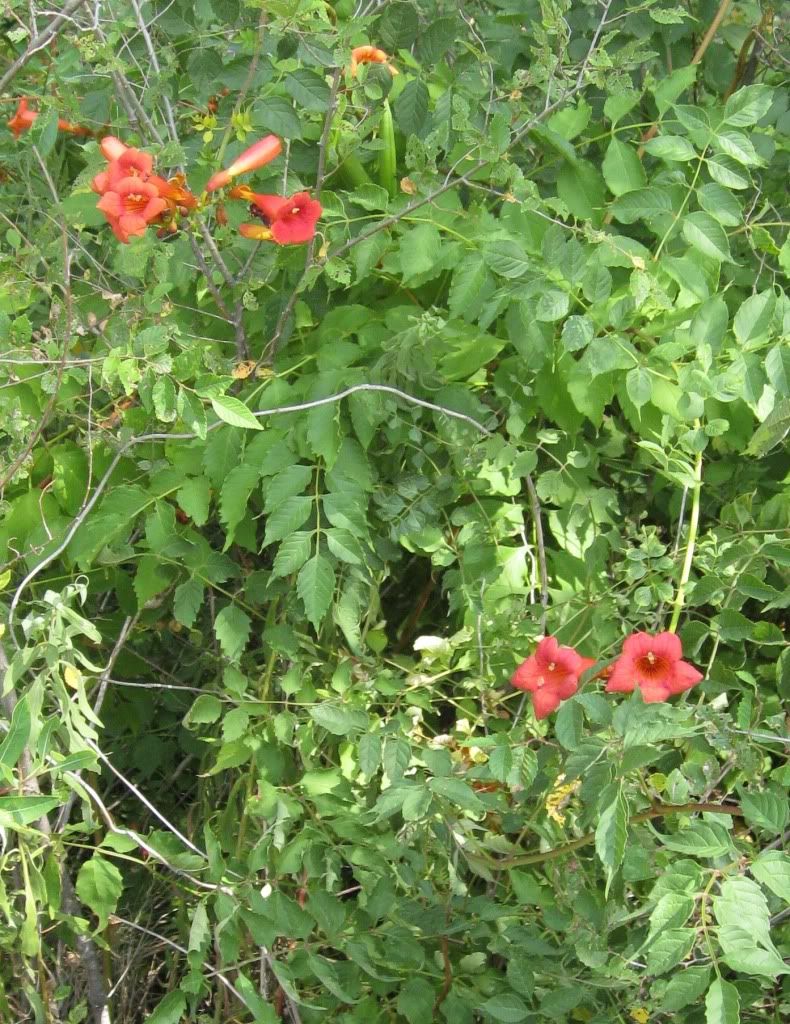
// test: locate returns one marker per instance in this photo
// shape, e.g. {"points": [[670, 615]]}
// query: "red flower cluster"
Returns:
{"points": [[132, 196], [652, 663], [24, 117]]}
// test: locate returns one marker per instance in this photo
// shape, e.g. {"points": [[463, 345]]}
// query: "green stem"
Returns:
{"points": [[677, 605]]}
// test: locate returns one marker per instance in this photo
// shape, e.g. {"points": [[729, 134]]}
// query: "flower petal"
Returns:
{"points": [[544, 701], [528, 675]]}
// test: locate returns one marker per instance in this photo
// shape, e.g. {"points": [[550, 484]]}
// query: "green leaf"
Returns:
{"points": [[772, 431], [416, 999], [701, 839], [469, 281], [738, 147], [742, 953], [639, 385], [339, 720], [685, 988], [669, 948], [287, 518], [622, 169], [315, 585], [768, 810], [777, 366], [22, 810], [419, 251], [308, 89], [206, 710], [236, 490], [163, 395], [772, 869], [707, 236], [721, 204], [15, 740], [457, 792], [99, 885], [411, 107], [672, 911], [569, 723], [232, 627], [722, 1003], [194, 496], [671, 147], [234, 412], [553, 304], [611, 834], [292, 553], [170, 1010], [748, 105], [187, 601], [369, 753], [289, 481], [507, 1008], [642, 204], [577, 333], [507, 258]]}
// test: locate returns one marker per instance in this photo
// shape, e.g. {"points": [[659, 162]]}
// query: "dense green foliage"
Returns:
{"points": [[259, 755]]}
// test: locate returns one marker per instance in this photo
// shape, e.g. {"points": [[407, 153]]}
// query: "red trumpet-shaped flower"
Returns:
{"points": [[551, 675], [655, 665], [292, 219], [131, 163], [370, 55], [258, 155], [112, 148], [24, 117], [130, 206]]}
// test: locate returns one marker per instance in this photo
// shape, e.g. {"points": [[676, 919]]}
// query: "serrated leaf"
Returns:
{"points": [[507, 1008], [671, 147], [469, 280], [194, 496], [777, 367], [669, 948], [308, 89], [722, 1003], [411, 107], [622, 169], [236, 490], [163, 395], [685, 988], [772, 869], [315, 585], [291, 514], [232, 627], [369, 753], [707, 236], [577, 333], [288, 482], [642, 204], [772, 431], [292, 553], [701, 839], [234, 412], [187, 601], [568, 724], [507, 258], [611, 834], [339, 720], [748, 105], [738, 147], [639, 385]]}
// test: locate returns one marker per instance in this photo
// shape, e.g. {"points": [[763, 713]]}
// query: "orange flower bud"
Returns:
{"points": [[257, 232], [370, 55], [242, 192], [258, 155], [112, 148]]}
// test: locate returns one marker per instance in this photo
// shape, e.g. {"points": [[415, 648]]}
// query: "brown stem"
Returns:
{"points": [[444, 946], [699, 53], [656, 811]]}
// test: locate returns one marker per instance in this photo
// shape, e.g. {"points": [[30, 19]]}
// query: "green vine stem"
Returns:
{"points": [[677, 604]]}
